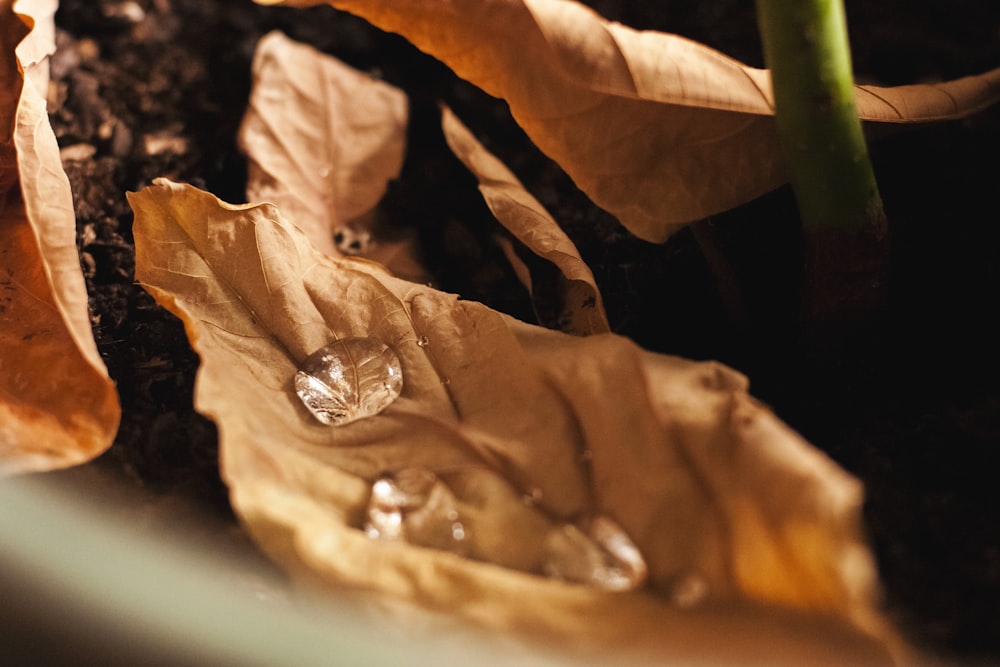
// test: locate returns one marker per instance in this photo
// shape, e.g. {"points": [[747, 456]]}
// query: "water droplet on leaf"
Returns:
{"points": [[600, 554], [689, 590], [414, 505], [458, 531], [423, 341], [349, 379], [394, 495]]}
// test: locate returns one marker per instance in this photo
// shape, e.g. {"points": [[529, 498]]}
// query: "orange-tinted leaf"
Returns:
{"points": [[525, 433], [57, 405], [655, 128]]}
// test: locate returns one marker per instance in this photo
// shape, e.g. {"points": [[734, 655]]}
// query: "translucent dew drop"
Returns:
{"points": [[599, 553], [392, 496], [458, 531], [348, 380], [415, 506], [689, 590]]}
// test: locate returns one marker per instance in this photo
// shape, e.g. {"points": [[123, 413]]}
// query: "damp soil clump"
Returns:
{"points": [[148, 88]]}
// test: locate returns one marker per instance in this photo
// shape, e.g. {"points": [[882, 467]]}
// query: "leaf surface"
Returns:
{"points": [[655, 128], [582, 309], [528, 432], [324, 139], [323, 142], [58, 407]]}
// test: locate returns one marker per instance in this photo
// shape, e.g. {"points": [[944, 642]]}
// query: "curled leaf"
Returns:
{"points": [[655, 128], [582, 309], [58, 407], [308, 109], [323, 141], [509, 446]]}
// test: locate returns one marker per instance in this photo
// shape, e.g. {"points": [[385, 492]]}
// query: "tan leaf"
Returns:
{"points": [[522, 214], [655, 128], [525, 435], [323, 141], [338, 116], [57, 405]]}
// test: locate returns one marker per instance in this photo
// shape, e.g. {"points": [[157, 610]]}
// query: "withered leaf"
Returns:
{"points": [[655, 128], [323, 153], [323, 141], [705, 481], [582, 309], [58, 407]]}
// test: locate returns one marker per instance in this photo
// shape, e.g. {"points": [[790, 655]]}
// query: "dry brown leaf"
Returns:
{"points": [[706, 482], [657, 129], [57, 405], [323, 141], [582, 310], [337, 116]]}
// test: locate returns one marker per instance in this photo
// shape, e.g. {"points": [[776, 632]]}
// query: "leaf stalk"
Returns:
{"points": [[845, 231]]}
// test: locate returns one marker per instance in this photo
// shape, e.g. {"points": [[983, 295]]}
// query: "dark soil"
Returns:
{"points": [[157, 88]]}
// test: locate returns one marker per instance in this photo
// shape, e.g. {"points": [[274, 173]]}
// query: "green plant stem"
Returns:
{"points": [[844, 226]]}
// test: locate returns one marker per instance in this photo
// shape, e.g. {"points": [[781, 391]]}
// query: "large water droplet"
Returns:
{"points": [[414, 505], [600, 554], [349, 379]]}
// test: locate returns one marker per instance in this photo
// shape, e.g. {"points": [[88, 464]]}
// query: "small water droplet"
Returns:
{"points": [[414, 505], [423, 341], [349, 379], [394, 495], [689, 590], [458, 531], [384, 524], [446, 381], [601, 555]]}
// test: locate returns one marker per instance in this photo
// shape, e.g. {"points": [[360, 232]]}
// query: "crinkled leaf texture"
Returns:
{"points": [[324, 139], [703, 478], [323, 142], [58, 407], [655, 128], [582, 309]]}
